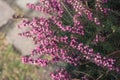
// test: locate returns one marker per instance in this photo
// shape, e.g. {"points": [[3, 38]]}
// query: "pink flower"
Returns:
{"points": [[59, 41], [60, 74]]}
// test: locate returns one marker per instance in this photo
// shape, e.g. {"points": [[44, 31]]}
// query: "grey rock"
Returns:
{"points": [[22, 44], [22, 3], [10, 2], [5, 13]]}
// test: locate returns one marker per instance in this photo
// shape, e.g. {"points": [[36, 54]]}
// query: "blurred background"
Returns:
{"points": [[12, 46]]}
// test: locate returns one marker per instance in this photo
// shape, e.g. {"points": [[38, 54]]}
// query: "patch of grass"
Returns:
{"points": [[11, 67]]}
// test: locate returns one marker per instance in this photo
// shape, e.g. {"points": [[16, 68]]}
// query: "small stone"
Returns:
{"points": [[22, 44]]}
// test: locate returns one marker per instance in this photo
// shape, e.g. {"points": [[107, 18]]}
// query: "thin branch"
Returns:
{"points": [[115, 12], [66, 9], [114, 76], [86, 3], [85, 74], [102, 75], [85, 63], [118, 51]]}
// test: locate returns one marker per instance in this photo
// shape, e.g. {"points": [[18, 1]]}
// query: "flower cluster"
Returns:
{"points": [[81, 9], [36, 61], [76, 29], [52, 7], [89, 54], [60, 74], [84, 78], [99, 4], [98, 38], [55, 39]]}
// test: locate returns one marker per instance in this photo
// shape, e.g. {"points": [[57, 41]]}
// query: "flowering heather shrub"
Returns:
{"points": [[75, 33]]}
